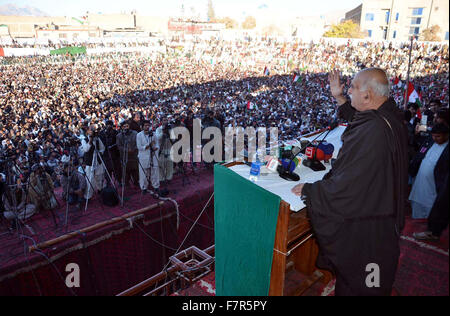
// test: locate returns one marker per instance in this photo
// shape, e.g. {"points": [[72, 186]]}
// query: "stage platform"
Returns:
{"points": [[423, 269], [114, 257], [110, 257]]}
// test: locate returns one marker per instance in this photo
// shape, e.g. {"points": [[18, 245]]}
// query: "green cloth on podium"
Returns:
{"points": [[245, 220]]}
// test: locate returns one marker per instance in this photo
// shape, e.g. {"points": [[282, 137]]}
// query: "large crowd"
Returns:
{"points": [[49, 105]]}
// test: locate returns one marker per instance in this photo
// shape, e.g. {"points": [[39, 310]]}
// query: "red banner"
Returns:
{"points": [[2, 53]]}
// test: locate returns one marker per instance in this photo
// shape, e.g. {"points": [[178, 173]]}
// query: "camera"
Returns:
{"points": [[70, 142]]}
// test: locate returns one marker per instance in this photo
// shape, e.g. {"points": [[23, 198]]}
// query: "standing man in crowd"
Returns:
{"points": [[148, 158], [126, 142], [165, 161], [357, 210], [430, 192], [111, 155], [93, 147]]}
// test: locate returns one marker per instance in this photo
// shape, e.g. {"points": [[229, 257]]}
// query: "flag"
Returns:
{"points": [[397, 82], [266, 71], [250, 105], [296, 78], [78, 20], [413, 96], [115, 122]]}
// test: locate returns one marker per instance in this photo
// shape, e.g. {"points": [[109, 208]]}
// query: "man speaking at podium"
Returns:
{"points": [[357, 209]]}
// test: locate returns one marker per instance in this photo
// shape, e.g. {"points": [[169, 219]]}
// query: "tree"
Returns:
{"points": [[211, 13], [346, 29], [249, 23], [431, 34]]}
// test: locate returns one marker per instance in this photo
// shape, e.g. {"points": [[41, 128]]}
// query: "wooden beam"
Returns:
{"points": [[114, 220]]}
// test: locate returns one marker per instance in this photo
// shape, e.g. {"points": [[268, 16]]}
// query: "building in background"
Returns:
{"points": [[68, 32], [25, 26], [88, 26], [400, 19]]}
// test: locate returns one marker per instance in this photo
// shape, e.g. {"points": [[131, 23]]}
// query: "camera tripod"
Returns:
{"points": [[96, 157], [11, 187]]}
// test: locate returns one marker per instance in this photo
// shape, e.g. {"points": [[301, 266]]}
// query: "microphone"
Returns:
{"points": [[333, 125], [288, 164], [322, 151]]}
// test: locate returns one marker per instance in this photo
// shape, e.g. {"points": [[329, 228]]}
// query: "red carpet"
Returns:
{"points": [[423, 269], [119, 256], [116, 256]]}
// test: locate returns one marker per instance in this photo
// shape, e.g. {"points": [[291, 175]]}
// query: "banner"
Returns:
{"points": [[72, 50], [2, 53]]}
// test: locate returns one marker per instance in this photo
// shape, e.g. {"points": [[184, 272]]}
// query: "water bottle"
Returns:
{"points": [[255, 169]]}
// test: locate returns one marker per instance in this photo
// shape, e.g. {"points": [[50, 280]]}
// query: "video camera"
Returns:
{"points": [[70, 142]]}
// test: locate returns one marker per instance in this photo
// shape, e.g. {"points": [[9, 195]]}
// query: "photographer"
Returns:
{"points": [[73, 184], [126, 143], [147, 145], [94, 167], [165, 162], [15, 204], [40, 191], [111, 156]]}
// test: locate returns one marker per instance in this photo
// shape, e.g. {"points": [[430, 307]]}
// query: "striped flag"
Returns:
{"points": [[413, 96], [397, 82], [250, 105], [296, 78], [266, 71]]}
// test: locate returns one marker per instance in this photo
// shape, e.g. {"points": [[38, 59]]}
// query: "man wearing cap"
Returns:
{"points": [[73, 184], [163, 135], [126, 143], [430, 192], [111, 155], [40, 192], [93, 148], [148, 158]]}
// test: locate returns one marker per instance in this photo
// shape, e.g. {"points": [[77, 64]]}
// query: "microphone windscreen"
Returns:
{"points": [[313, 152], [289, 165], [327, 148]]}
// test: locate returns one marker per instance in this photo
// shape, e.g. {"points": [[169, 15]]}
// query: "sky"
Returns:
{"points": [[231, 8]]}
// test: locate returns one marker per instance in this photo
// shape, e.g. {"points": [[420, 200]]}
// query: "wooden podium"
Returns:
{"points": [[295, 253]]}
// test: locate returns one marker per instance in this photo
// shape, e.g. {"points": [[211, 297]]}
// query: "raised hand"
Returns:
{"points": [[337, 89]]}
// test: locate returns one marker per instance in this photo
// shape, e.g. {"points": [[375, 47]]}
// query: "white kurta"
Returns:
{"points": [[95, 172], [423, 191], [145, 165]]}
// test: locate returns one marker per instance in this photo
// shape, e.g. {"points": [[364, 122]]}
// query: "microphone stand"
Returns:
{"points": [[124, 163]]}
